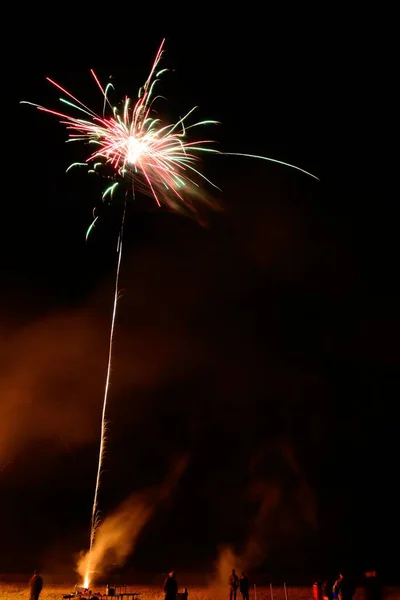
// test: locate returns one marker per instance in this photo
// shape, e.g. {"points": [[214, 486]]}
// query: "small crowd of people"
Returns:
{"points": [[344, 587], [235, 583], [238, 583]]}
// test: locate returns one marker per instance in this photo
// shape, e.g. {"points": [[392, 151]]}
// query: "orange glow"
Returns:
{"points": [[117, 534]]}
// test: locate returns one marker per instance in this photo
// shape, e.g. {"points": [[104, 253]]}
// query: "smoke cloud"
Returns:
{"points": [[284, 508], [53, 369], [118, 533], [42, 386]]}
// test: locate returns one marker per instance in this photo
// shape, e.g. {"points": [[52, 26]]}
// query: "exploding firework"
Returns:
{"points": [[137, 147], [131, 145]]}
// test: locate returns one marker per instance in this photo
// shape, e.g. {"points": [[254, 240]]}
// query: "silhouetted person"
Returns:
{"points": [[344, 588], [244, 585], [233, 583], [373, 587], [327, 590], [170, 587], [36, 585]]}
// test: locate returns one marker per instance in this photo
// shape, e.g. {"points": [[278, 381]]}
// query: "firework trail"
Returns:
{"points": [[95, 521], [133, 146]]}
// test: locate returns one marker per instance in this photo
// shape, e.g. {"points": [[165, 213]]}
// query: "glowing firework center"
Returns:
{"points": [[135, 148]]}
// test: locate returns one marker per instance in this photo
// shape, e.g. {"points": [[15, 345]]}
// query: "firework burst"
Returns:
{"points": [[158, 159]]}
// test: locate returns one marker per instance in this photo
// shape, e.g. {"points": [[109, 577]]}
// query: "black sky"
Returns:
{"points": [[264, 346]]}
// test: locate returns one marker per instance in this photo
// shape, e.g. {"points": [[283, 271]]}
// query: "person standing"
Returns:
{"points": [[373, 587], [170, 587], [344, 588], [244, 585], [36, 585], [233, 583], [327, 590]]}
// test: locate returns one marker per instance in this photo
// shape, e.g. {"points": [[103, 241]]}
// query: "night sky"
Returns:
{"points": [[263, 346]]}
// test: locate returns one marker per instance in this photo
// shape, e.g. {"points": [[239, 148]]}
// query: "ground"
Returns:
{"points": [[9, 591]]}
